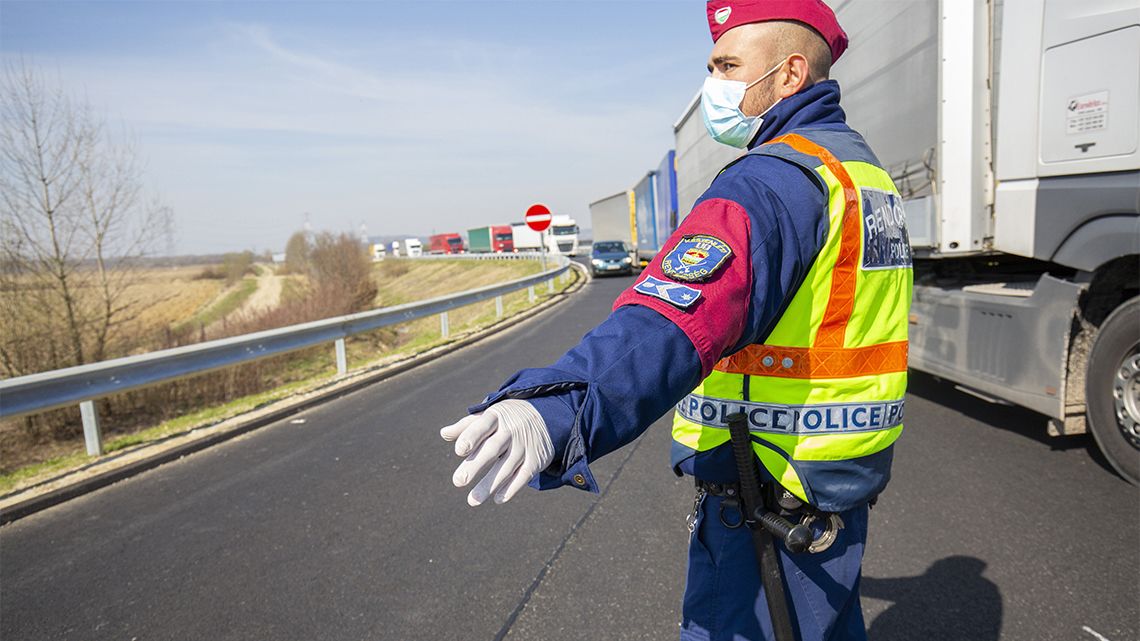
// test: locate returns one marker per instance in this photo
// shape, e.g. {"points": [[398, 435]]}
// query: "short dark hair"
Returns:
{"points": [[797, 37]]}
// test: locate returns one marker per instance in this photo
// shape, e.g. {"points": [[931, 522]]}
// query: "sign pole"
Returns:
{"points": [[538, 218]]}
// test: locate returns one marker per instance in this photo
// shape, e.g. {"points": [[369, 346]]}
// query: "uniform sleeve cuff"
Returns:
{"points": [[570, 465], [561, 404]]}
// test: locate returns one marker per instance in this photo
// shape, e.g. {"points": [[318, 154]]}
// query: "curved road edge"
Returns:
{"points": [[59, 489]]}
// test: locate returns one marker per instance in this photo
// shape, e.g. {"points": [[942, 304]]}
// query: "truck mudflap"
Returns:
{"points": [[1006, 341]]}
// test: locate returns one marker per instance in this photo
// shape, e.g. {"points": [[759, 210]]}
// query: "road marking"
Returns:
{"points": [[1099, 636]]}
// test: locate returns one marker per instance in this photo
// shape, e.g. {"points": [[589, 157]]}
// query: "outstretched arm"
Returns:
{"points": [[665, 335]]}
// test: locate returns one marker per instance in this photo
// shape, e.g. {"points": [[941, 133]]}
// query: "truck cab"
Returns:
{"points": [[449, 243], [563, 236], [503, 239], [413, 247]]}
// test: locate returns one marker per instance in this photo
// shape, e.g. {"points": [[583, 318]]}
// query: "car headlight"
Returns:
{"points": [[597, 262], [627, 260]]}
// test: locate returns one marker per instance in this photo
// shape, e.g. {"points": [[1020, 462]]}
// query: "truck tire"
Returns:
{"points": [[1113, 390]]}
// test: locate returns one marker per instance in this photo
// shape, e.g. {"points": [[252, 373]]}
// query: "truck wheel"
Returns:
{"points": [[1113, 390]]}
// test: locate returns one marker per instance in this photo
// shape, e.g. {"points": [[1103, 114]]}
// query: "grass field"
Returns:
{"points": [[154, 300], [399, 281], [225, 303], [168, 296]]}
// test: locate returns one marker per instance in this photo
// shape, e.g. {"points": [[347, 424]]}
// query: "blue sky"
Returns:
{"points": [[408, 117]]}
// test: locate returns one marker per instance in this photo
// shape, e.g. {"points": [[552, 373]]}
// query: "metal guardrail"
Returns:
{"points": [[85, 383]]}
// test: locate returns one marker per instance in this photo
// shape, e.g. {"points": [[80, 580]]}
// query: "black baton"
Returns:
{"points": [[764, 525]]}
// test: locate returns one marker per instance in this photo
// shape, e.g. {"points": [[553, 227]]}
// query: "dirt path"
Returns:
{"points": [[268, 292]]}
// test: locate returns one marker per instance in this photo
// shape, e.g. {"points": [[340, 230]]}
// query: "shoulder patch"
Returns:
{"points": [[696, 258], [675, 294]]}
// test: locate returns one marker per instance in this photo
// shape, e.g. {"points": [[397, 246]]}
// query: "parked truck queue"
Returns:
{"points": [[561, 238]]}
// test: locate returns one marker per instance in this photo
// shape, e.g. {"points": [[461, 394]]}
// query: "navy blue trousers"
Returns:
{"points": [[724, 600]]}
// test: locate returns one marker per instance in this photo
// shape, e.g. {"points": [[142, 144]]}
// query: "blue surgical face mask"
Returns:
{"points": [[720, 104]]}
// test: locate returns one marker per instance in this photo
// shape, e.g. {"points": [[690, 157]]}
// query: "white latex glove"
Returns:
{"points": [[508, 441]]}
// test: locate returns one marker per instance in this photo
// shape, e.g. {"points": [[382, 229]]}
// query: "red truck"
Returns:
{"points": [[445, 244]]}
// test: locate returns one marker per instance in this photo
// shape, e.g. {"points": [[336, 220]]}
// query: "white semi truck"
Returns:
{"points": [[564, 235], [560, 238], [1011, 130]]}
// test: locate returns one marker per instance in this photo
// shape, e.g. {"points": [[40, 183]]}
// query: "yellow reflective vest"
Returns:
{"points": [[824, 391]]}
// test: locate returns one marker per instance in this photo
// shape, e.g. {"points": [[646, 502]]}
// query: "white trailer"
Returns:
{"points": [[610, 218], [1010, 128], [525, 238], [699, 157]]}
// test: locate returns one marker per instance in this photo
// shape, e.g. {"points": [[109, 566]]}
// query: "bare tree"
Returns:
{"points": [[341, 273], [74, 223], [297, 253]]}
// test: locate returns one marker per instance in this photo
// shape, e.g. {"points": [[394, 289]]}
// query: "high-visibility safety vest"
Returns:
{"points": [[824, 391]]}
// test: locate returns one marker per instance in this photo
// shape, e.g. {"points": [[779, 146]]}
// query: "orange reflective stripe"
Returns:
{"points": [[816, 362], [841, 300]]}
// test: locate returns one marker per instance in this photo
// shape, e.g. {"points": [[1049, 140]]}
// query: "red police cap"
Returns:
{"points": [[726, 14]]}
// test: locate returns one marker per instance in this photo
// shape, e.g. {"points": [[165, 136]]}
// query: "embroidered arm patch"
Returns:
{"points": [[675, 294], [695, 258]]}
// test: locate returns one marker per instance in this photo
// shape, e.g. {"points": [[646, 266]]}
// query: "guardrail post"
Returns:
{"points": [[444, 329], [341, 358], [498, 307], [550, 286], [530, 293], [91, 432]]}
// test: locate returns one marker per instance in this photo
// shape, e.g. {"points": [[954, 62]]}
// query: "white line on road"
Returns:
{"points": [[1099, 636]]}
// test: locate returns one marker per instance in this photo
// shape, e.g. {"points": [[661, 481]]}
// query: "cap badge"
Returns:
{"points": [[722, 14]]}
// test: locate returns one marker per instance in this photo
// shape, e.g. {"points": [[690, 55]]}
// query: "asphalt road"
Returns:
{"points": [[346, 526]]}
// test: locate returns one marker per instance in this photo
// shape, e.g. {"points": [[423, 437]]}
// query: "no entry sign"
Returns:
{"points": [[538, 217]]}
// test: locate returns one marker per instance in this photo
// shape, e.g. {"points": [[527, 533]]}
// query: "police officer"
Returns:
{"points": [[783, 295]]}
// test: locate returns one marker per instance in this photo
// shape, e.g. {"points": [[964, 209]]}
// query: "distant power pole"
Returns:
{"points": [[308, 225]]}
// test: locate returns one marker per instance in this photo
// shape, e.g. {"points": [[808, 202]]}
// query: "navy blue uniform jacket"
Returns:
{"points": [[648, 354]]}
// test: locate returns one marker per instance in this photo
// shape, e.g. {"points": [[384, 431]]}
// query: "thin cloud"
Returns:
{"points": [[259, 124]]}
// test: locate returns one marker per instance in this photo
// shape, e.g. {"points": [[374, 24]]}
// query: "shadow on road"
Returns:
{"points": [[952, 601], [1018, 420]]}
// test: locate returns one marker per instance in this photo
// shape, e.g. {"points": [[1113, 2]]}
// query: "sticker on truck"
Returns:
{"points": [[1087, 113]]}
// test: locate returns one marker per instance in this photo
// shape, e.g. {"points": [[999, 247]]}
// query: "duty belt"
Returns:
{"points": [[785, 502], [777, 500]]}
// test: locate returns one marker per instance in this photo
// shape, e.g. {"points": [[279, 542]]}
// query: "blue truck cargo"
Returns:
{"points": [[655, 207], [666, 209], [645, 205]]}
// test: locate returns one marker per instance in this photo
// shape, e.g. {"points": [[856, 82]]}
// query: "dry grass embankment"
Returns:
{"points": [[168, 296], [138, 417]]}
